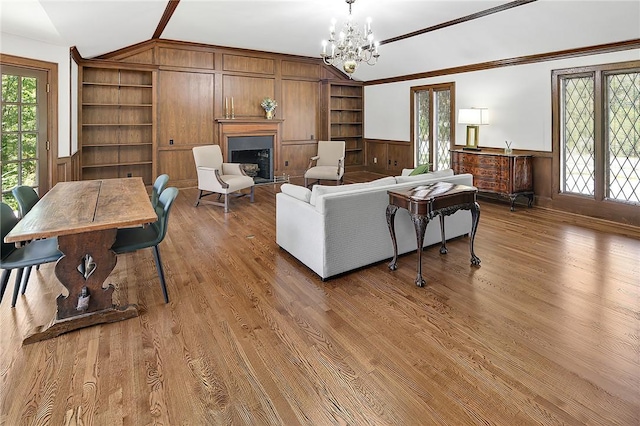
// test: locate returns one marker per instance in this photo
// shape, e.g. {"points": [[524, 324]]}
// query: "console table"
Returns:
{"points": [[508, 175], [424, 203]]}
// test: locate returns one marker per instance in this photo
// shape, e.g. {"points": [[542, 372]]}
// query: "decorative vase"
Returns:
{"points": [[269, 114]]}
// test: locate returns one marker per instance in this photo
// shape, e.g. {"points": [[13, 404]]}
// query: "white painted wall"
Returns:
{"points": [[518, 98], [27, 48]]}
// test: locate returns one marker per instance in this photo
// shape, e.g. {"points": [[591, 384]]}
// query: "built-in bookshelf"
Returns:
{"points": [[345, 120], [117, 136]]}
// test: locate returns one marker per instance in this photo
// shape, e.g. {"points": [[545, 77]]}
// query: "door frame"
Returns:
{"points": [[51, 70]]}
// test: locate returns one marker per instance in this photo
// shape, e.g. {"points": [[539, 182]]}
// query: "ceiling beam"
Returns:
{"points": [[168, 13], [467, 18]]}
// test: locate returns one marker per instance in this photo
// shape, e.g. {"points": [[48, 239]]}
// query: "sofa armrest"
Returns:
{"points": [[300, 230]]}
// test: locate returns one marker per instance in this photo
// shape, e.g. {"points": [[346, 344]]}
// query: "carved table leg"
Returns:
{"points": [[420, 222], [391, 214], [86, 264], [443, 244], [475, 218], [513, 197]]}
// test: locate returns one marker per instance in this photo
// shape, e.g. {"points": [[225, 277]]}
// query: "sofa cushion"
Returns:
{"points": [[299, 192], [319, 190], [425, 176], [422, 168]]}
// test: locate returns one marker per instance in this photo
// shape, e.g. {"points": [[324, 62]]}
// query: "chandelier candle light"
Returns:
{"points": [[269, 106], [353, 45]]}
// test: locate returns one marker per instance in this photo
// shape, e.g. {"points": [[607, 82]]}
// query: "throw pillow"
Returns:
{"points": [[299, 192], [422, 168], [426, 176]]}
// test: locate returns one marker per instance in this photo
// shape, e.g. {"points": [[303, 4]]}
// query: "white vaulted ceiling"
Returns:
{"points": [[297, 27]]}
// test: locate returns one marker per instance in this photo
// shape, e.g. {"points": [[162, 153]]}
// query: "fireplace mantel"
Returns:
{"points": [[235, 127]]}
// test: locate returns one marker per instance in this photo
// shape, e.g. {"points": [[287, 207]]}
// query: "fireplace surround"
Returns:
{"points": [[253, 150]]}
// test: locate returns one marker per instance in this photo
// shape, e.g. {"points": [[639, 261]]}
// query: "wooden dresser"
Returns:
{"points": [[508, 175]]}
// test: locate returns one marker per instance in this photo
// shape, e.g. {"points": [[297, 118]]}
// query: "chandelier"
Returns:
{"points": [[353, 45]]}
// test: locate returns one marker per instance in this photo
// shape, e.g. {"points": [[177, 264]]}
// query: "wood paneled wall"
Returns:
{"points": [[67, 169], [193, 82], [387, 156]]}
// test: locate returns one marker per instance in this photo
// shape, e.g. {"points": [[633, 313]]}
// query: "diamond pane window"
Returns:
{"points": [[432, 125], [443, 130], [578, 136], [423, 127], [623, 136]]}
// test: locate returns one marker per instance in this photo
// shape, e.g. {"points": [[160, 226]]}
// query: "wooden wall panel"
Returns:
{"points": [[542, 173], [179, 165], [300, 103], [399, 156], [248, 64], [144, 57], [297, 156], [389, 157], [63, 171], [185, 108], [300, 69], [185, 58], [376, 156], [248, 93]]}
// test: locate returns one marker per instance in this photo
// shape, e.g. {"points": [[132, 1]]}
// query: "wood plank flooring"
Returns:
{"points": [[545, 331]]}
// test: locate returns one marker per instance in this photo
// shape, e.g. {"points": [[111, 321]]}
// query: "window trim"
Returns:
{"points": [[576, 203], [51, 70], [451, 86]]}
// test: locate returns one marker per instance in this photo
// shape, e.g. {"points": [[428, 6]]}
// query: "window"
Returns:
{"points": [[596, 114], [432, 132], [24, 130]]}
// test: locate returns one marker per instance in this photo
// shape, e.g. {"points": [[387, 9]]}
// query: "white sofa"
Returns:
{"points": [[335, 229]]}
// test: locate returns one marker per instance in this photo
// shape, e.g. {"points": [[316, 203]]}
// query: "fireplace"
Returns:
{"points": [[256, 150], [252, 141]]}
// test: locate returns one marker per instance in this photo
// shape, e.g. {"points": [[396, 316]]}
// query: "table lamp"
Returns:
{"points": [[473, 118]]}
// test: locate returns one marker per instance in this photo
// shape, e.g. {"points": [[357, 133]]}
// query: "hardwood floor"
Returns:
{"points": [[545, 331]]}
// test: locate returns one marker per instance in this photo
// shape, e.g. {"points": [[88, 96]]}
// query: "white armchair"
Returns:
{"points": [[329, 163], [217, 177]]}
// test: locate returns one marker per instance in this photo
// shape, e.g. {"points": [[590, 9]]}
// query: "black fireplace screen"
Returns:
{"points": [[255, 153]]}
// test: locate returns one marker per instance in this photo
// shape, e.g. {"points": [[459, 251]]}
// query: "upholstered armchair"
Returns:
{"points": [[218, 177], [329, 163]]}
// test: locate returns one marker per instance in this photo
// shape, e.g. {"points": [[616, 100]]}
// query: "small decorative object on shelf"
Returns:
{"points": [[508, 150], [269, 106]]}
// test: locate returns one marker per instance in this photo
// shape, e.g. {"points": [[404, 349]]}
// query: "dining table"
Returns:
{"points": [[84, 216]]}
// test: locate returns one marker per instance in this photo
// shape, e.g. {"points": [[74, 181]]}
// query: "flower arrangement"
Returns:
{"points": [[268, 104]]}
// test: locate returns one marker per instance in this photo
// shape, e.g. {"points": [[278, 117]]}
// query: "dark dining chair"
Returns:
{"points": [[158, 186], [34, 253], [134, 239], [26, 197]]}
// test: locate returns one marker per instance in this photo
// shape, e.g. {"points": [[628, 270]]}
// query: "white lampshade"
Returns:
{"points": [[473, 116]]}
